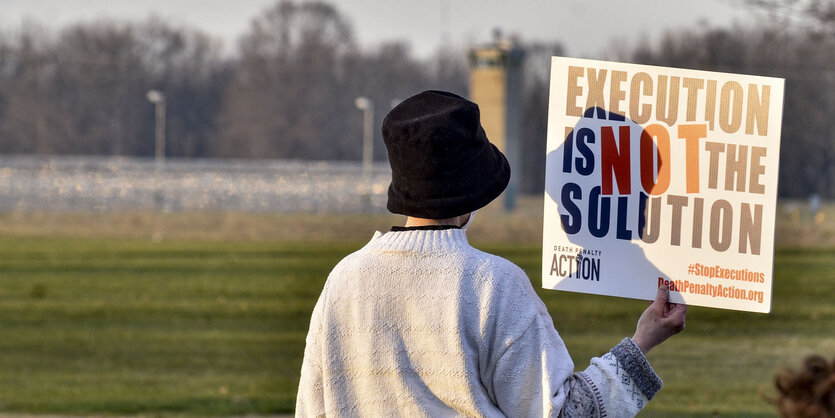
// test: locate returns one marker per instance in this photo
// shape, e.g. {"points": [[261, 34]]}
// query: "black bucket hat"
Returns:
{"points": [[442, 164]]}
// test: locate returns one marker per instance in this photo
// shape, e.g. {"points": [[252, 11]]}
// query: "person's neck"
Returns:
{"points": [[457, 221]]}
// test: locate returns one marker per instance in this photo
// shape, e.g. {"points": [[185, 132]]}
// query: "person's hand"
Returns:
{"points": [[661, 320]]}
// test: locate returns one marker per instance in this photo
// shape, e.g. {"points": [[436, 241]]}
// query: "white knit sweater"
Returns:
{"points": [[419, 323]]}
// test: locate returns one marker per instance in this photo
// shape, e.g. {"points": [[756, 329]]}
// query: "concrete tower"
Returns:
{"points": [[495, 85]]}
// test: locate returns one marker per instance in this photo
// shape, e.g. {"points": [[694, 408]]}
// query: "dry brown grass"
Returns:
{"points": [[795, 225]]}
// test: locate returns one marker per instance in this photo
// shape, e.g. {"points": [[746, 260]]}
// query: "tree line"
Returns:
{"points": [[288, 89], [287, 92]]}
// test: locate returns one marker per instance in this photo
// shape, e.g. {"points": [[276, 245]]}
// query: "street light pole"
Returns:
{"points": [[367, 108], [158, 99]]}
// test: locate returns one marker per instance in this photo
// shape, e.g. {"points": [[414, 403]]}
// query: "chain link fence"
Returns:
{"points": [[30, 183]]}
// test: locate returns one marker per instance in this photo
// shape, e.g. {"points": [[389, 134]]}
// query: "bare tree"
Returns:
{"points": [[812, 15], [385, 75], [98, 89], [28, 68], [534, 126], [83, 92], [806, 59], [287, 98], [188, 66]]}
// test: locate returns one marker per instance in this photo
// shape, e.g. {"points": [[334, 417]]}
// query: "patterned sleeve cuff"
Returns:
{"points": [[636, 364]]}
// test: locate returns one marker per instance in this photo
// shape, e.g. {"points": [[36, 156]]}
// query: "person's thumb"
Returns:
{"points": [[662, 296]]}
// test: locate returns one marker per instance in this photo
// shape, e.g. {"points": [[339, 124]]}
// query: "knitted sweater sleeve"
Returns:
{"points": [[310, 401], [532, 378]]}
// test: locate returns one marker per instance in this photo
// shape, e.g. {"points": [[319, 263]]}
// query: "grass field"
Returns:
{"points": [[186, 324]]}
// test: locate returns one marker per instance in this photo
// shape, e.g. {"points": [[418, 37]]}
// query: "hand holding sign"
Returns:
{"points": [[660, 321]]}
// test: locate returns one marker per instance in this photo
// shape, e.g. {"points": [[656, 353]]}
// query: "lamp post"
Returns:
{"points": [[367, 108], [158, 99]]}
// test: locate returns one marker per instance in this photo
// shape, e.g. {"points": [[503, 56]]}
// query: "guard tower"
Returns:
{"points": [[495, 85]]}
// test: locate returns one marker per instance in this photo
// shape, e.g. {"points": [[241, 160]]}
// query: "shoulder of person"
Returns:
{"points": [[491, 262], [508, 278]]}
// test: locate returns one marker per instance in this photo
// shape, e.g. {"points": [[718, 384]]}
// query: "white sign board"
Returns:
{"points": [[660, 175]]}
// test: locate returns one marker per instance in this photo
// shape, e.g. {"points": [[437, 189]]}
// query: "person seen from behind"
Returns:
{"points": [[419, 323]]}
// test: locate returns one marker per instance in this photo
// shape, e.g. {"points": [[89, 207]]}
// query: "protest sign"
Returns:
{"points": [[661, 176]]}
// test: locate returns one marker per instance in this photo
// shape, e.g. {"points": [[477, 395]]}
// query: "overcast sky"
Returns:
{"points": [[586, 28]]}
